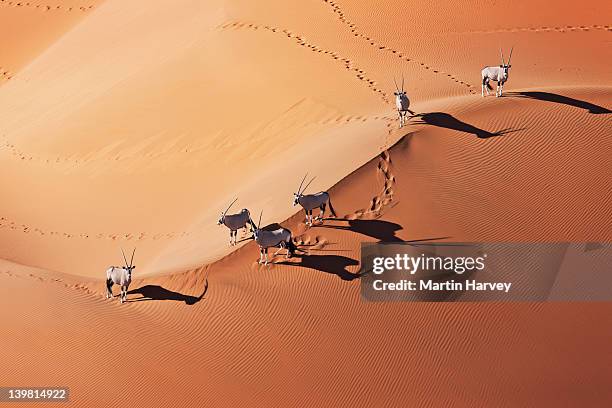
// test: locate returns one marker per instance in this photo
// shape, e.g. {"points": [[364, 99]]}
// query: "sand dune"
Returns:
{"points": [[29, 28], [135, 123]]}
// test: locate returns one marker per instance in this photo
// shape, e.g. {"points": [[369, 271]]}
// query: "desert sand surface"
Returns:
{"points": [[133, 124]]}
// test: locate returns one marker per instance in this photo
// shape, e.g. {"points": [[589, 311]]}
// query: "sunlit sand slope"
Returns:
{"points": [[133, 124]]}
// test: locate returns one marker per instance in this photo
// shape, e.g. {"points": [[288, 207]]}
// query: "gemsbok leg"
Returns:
{"points": [[322, 212], [263, 258], [109, 288], [485, 86]]}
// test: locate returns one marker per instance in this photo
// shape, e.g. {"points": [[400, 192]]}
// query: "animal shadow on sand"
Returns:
{"points": [[333, 264], [156, 292], [564, 100], [447, 121], [384, 231]]}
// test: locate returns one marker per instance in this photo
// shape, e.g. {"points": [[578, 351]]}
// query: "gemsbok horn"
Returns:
{"points": [[280, 237], [121, 276], [234, 221], [497, 74], [311, 201]]}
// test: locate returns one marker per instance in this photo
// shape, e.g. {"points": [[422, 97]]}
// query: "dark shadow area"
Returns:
{"points": [[247, 238], [337, 264], [564, 100], [444, 120], [155, 292], [334, 264], [322, 250], [383, 231]]}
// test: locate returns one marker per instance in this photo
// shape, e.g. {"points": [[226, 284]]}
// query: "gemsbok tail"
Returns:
{"points": [[331, 208]]}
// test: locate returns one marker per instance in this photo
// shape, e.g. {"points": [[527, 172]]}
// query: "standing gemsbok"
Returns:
{"points": [[121, 276], [311, 201], [402, 103], [280, 237], [235, 221], [497, 74]]}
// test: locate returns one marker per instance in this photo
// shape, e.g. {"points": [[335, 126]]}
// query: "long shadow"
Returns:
{"points": [[564, 100], [337, 264], [447, 121], [334, 264], [383, 231], [155, 292], [247, 238]]}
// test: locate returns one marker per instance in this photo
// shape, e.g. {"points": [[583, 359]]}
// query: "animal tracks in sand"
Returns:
{"points": [[374, 210], [382, 200], [307, 242], [71, 162], [342, 17], [348, 64], [142, 236], [81, 287], [44, 7], [5, 74]]}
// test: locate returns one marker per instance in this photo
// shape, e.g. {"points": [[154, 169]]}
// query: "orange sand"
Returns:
{"points": [[133, 124]]}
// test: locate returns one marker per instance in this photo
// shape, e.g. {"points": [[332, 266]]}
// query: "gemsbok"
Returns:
{"points": [[235, 221], [121, 276], [402, 103], [280, 237], [497, 74], [311, 201]]}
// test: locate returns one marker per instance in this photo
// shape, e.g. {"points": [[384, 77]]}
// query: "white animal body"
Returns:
{"points": [[279, 238], [497, 74], [402, 103], [121, 276], [311, 201], [235, 221]]}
